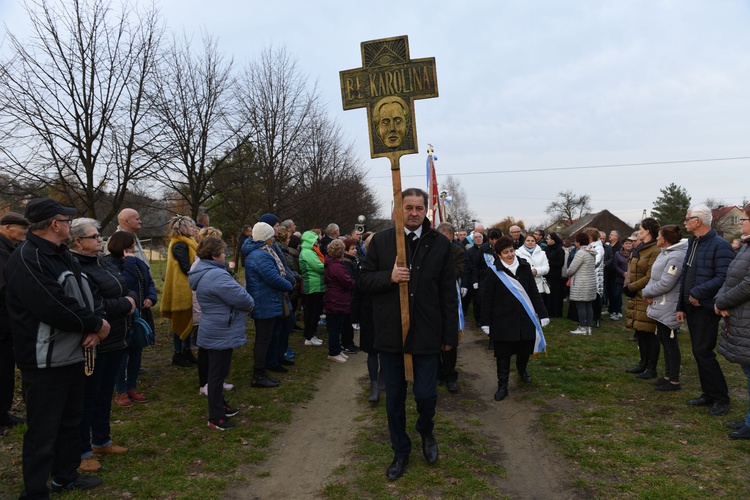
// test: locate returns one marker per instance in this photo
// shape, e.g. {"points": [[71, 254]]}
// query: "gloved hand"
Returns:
{"points": [[544, 322], [486, 330], [476, 286], [463, 292], [356, 325]]}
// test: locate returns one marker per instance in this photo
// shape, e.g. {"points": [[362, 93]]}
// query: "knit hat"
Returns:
{"points": [[262, 232], [269, 219]]}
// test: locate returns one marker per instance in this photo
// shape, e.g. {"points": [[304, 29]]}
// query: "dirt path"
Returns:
{"points": [[304, 456]]}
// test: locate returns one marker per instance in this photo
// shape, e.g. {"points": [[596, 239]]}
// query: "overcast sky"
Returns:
{"points": [[529, 90]]}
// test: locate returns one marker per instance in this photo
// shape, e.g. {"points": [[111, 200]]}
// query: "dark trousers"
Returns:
{"points": [[7, 373], [202, 367], [425, 395], [273, 354], [335, 324], [287, 326], [219, 363], [127, 378], [447, 365], [313, 309], [52, 443], [672, 353], [347, 332], [478, 306], [649, 347], [704, 330], [264, 330], [615, 298], [523, 349], [97, 401]]}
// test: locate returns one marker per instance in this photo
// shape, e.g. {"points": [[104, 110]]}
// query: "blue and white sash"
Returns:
{"points": [[519, 293], [460, 308]]}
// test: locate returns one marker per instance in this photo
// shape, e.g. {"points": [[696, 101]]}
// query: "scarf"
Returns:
{"points": [[279, 264], [513, 267], [316, 249]]}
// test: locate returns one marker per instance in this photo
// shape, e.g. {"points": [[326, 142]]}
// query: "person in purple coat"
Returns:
{"points": [[337, 299]]}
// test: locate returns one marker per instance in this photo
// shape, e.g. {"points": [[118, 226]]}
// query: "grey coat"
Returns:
{"points": [[664, 285], [582, 272], [734, 296]]}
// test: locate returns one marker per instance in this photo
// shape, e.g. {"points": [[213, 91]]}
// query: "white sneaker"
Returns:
{"points": [[343, 355], [204, 390], [337, 359], [579, 331], [316, 340], [228, 387]]}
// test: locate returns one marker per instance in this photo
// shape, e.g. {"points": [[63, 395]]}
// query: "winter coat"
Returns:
{"points": [[582, 273], [664, 285], [556, 259], [224, 306], [310, 265], [137, 276], [110, 286], [6, 248], [711, 254], [177, 298], [538, 260], [291, 256], [599, 266], [734, 296], [639, 273], [50, 304], [433, 301], [621, 266], [502, 312], [339, 286], [264, 282]]}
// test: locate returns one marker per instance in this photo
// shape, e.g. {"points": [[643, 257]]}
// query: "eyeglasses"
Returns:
{"points": [[68, 221], [92, 237], [743, 220], [693, 217]]}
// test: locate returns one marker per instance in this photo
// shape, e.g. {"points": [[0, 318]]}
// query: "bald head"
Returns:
{"points": [[129, 220]]}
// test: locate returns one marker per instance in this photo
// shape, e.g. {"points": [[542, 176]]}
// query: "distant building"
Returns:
{"points": [[726, 221], [604, 221]]}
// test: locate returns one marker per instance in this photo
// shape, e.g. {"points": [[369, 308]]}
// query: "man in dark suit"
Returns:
{"points": [[433, 315]]}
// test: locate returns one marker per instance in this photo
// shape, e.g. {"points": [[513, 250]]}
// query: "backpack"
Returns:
{"points": [[141, 333]]}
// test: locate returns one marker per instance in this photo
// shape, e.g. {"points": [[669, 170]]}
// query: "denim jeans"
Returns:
{"points": [[615, 298], [127, 377], [97, 401]]}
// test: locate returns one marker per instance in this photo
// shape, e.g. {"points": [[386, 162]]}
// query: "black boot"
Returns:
{"points": [[503, 373], [643, 351], [188, 354], [179, 359], [374, 392]]}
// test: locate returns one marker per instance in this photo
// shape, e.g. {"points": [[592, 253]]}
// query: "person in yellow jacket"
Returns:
{"points": [[177, 300]]}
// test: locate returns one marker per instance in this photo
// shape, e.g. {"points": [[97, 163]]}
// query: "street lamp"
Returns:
{"points": [[360, 226]]}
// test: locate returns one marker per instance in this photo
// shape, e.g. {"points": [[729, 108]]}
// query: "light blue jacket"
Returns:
{"points": [[224, 306], [664, 285]]}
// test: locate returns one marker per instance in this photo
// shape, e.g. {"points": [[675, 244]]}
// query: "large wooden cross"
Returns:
{"points": [[387, 85]]}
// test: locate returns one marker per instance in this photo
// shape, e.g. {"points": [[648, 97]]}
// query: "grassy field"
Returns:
{"points": [[624, 439]]}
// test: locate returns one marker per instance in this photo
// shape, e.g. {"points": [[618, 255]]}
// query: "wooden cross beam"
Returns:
{"points": [[387, 85]]}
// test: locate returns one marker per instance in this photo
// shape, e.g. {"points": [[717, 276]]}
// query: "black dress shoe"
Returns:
{"points": [[646, 374], [502, 393], [668, 387], [735, 425], [701, 401], [525, 377], [719, 409], [264, 381], [430, 448], [287, 362], [452, 385], [277, 369], [741, 433], [636, 369], [397, 468]]}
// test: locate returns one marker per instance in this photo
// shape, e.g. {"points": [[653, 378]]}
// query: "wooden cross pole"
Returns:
{"points": [[387, 85]]}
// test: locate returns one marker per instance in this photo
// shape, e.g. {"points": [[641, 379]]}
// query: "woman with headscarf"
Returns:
{"points": [[504, 317], [177, 298], [119, 303], [556, 258], [639, 273]]}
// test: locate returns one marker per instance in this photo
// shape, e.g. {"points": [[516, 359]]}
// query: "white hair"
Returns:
{"points": [[702, 212]]}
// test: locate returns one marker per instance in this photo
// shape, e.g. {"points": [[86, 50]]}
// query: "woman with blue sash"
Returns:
{"points": [[513, 313]]}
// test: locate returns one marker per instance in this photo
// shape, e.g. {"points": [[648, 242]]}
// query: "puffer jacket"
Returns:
{"points": [[339, 285], [264, 282], [582, 273], [599, 265], [639, 273], [224, 305], [537, 259], [711, 254], [112, 289], [310, 265], [664, 285], [734, 296]]}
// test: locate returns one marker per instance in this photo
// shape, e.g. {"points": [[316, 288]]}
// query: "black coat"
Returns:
{"points": [[502, 312], [110, 287], [433, 302], [6, 248]]}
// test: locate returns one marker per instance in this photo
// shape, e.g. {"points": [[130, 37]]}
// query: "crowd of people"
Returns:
{"points": [[69, 300]]}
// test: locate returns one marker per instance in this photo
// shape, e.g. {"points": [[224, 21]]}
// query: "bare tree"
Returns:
{"points": [[276, 108], [714, 203], [194, 102], [457, 210], [72, 101], [568, 206]]}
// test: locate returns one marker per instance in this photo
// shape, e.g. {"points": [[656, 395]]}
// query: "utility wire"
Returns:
{"points": [[587, 167]]}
